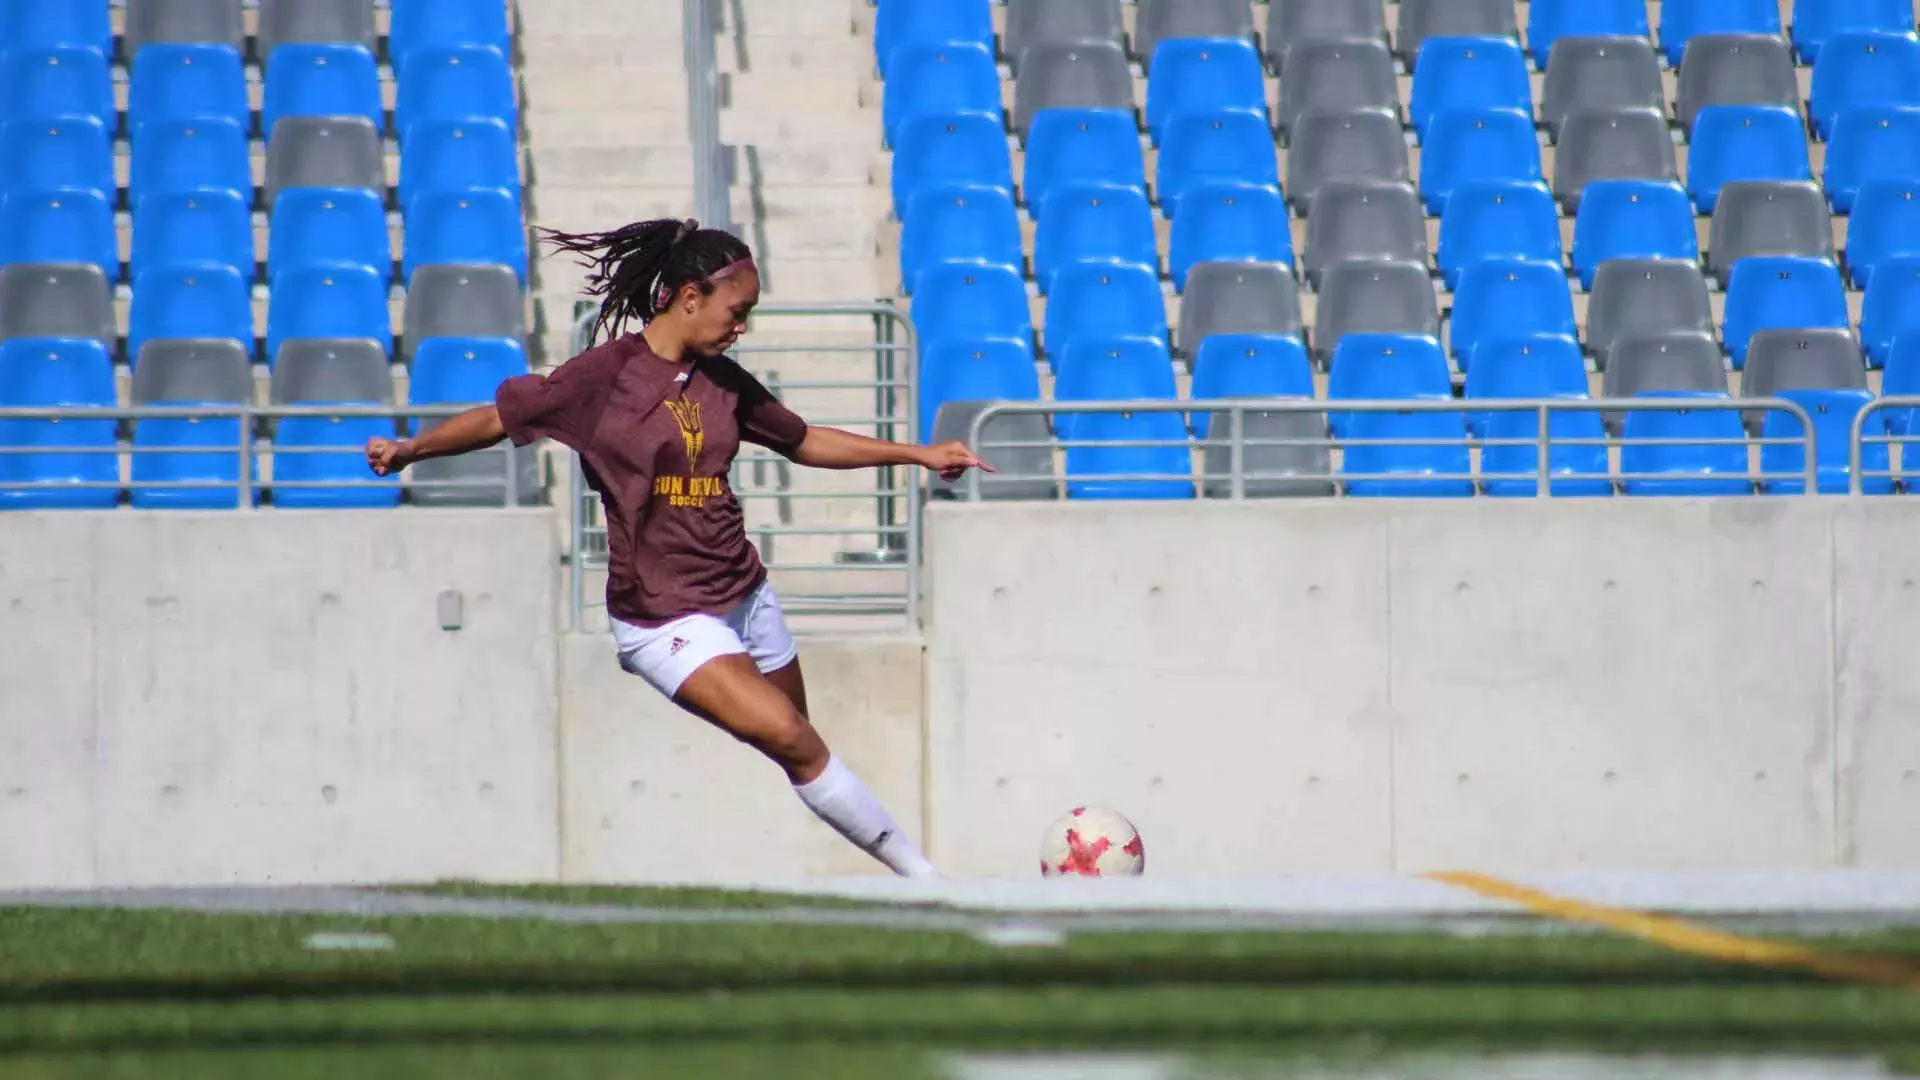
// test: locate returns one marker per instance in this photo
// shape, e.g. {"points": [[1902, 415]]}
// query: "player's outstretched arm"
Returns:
{"points": [[831, 448], [475, 429]]}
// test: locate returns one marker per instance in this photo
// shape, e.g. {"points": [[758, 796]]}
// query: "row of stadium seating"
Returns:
{"points": [[414, 24]]}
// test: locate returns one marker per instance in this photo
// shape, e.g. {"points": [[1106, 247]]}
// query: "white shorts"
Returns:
{"points": [[666, 655]]}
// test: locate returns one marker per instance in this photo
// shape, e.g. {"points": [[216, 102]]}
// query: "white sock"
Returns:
{"points": [[842, 801]]}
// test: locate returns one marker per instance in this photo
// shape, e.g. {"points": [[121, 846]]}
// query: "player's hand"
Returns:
{"points": [[388, 456], [952, 460]]}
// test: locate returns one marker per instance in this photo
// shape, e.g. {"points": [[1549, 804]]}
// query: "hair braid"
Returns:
{"points": [[636, 269]]}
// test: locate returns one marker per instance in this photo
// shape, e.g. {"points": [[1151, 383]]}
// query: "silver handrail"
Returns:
{"points": [[1857, 439], [710, 181]]}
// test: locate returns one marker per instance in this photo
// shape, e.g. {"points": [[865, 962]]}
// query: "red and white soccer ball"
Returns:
{"points": [[1093, 841]]}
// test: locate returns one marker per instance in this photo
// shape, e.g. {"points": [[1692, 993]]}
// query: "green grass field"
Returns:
{"points": [[140, 994]]}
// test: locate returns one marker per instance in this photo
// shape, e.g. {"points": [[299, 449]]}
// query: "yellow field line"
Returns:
{"points": [[1691, 938]]}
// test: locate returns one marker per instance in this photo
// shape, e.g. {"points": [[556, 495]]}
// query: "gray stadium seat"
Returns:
{"points": [[285, 22], [1682, 361], [1423, 19], [1155, 21], [158, 22], [1823, 359], [1291, 21], [1613, 144], [1365, 144], [1375, 298], [1767, 217], [1238, 298], [1735, 69], [192, 369], [1035, 23], [1336, 76], [1359, 221], [325, 151], [1590, 74], [1298, 472], [464, 301], [1020, 472], [1088, 75], [1645, 298], [330, 370], [52, 300]]}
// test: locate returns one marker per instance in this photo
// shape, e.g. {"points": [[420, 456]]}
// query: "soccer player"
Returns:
{"points": [[657, 417]]}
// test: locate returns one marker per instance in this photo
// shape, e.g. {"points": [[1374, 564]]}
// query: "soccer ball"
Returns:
{"points": [[1093, 841]]}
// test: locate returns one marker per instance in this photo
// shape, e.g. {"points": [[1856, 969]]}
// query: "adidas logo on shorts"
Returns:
{"points": [[678, 644]]}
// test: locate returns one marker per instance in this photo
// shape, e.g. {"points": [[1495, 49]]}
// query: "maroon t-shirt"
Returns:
{"points": [[657, 439]]}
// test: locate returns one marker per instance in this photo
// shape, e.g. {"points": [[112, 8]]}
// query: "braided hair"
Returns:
{"points": [[637, 269]]}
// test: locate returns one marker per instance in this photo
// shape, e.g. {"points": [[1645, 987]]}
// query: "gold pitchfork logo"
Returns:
{"points": [[687, 415]]}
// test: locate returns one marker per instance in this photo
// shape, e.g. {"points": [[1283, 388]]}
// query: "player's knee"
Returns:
{"points": [[790, 740]]}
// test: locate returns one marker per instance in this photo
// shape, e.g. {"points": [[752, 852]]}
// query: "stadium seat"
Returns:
{"points": [[1550, 20], [55, 300], [1122, 369], [1508, 299], [64, 152], [173, 451], [466, 371], [1336, 76], [959, 224], [57, 374], [69, 225], [1364, 222], [187, 82], [1035, 24], [991, 369], [1423, 19], [324, 80], [1632, 219], [1379, 463], [187, 155], [1885, 224], [1365, 144], [1247, 366], [1575, 469], [321, 151], [1902, 379], [1094, 224], [965, 148], [1466, 147], [461, 154], [327, 302], [184, 22], [1735, 69], [481, 226], [1069, 146], [314, 22], [1596, 74], [1223, 146], [329, 226], [1744, 142], [1833, 413], [37, 24], [1523, 366], [1497, 220], [1468, 73], [1386, 367], [1157, 21], [1111, 369], [319, 450], [936, 23], [1684, 21], [1871, 144], [1238, 298], [1206, 75], [1283, 454], [329, 370], [1717, 465], [1375, 298], [1227, 223], [1779, 360], [68, 80], [1891, 310], [192, 229], [957, 302], [939, 80], [1082, 75], [1862, 69], [1092, 301], [1815, 22], [190, 302], [465, 301], [1641, 298], [1622, 144], [1774, 292], [1764, 217], [459, 83], [1019, 446], [435, 24], [1650, 364], [1289, 21]]}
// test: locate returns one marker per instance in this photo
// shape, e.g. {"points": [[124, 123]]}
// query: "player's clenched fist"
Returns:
{"points": [[388, 456]]}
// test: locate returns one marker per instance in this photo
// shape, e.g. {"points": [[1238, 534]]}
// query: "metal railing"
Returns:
{"points": [[1858, 441], [710, 179]]}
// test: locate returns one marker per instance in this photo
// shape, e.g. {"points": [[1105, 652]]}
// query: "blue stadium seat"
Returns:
{"points": [[190, 302], [212, 227], [64, 152], [966, 302], [188, 440], [1744, 142], [1715, 466], [323, 80], [1863, 69], [1378, 465], [1204, 75], [328, 302], [454, 155], [1468, 145], [1523, 366], [1230, 223], [1468, 73], [1891, 310], [322, 226], [57, 374], [1885, 224], [1815, 22], [186, 155], [1869, 144], [1198, 148], [481, 226], [1683, 20], [37, 24], [1780, 293], [187, 82], [1551, 20], [68, 225], [1110, 369], [1095, 301], [1902, 379], [462, 370], [1577, 470], [1067, 146], [939, 80], [1783, 464], [990, 369], [436, 24], [69, 80], [462, 83], [958, 224], [1497, 219], [1632, 219], [1122, 369], [965, 148], [1509, 299], [341, 435], [1094, 224], [929, 22], [1248, 366], [1383, 367]]}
